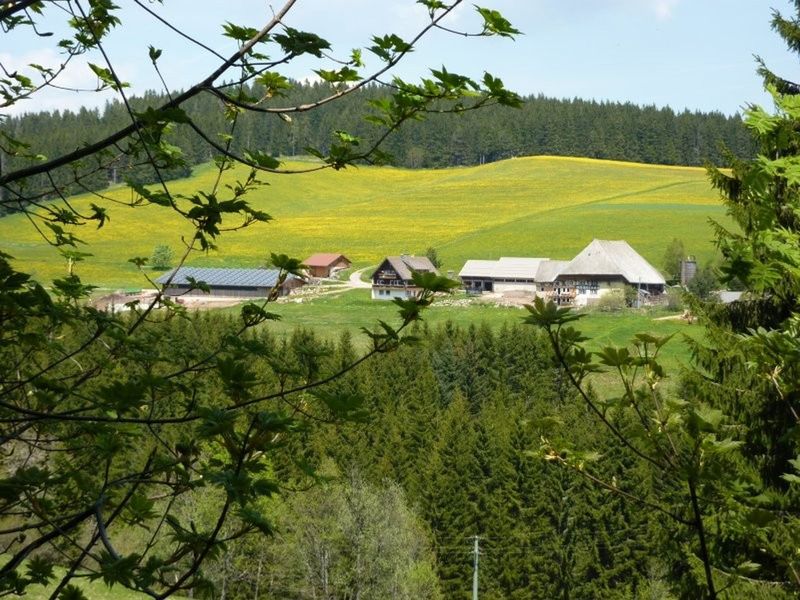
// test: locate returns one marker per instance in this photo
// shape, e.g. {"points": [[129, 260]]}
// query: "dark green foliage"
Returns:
{"points": [[461, 435], [673, 256], [138, 445], [704, 283], [722, 448]]}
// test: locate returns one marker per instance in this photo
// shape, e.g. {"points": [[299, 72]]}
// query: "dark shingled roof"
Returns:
{"points": [[224, 277], [404, 265]]}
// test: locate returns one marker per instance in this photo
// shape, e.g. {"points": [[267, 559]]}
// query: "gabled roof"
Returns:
{"points": [[550, 269], [613, 257], [224, 277], [512, 267], [478, 268], [508, 267], [323, 259], [404, 265]]}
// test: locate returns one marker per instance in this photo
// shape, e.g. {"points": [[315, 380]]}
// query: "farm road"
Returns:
{"points": [[356, 281]]}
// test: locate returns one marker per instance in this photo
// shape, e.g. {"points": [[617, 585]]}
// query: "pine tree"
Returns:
{"points": [[451, 496]]}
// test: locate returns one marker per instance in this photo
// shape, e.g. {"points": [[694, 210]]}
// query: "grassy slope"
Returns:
{"points": [[539, 206]]}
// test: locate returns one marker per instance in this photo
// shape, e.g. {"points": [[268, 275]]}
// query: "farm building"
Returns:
{"points": [[547, 284], [392, 279], [228, 283], [605, 265], [602, 266], [326, 264], [508, 274]]}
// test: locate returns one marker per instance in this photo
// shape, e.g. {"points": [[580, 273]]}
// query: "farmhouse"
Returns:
{"points": [[605, 265], [602, 266], [392, 279], [227, 283], [326, 264], [547, 284]]}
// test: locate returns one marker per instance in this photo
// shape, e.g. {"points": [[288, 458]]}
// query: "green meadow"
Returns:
{"points": [[330, 316], [536, 206]]}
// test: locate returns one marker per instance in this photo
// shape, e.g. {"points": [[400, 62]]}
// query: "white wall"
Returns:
{"points": [[390, 294], [512, 286], [603, 288]]}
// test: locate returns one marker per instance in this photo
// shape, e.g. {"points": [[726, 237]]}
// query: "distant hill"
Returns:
{"points": [[536, 206], [544, 126]]}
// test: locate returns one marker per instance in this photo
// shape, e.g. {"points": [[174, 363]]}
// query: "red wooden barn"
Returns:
{"points": [[326, 264]]}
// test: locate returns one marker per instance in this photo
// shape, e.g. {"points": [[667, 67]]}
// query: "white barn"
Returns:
{"points": [[508, 274]]}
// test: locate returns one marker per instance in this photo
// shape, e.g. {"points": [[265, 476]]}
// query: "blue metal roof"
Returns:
{"points": [[224, 277]]}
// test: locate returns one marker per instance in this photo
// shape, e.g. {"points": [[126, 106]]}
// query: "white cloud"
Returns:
{"points": [[664, 8]]}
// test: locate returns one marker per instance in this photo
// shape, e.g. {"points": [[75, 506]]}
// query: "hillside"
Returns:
{"points": [[541, 126], [536, 206]]}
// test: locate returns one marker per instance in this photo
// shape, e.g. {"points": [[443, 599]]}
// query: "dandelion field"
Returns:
{"points": [[536, 206]]}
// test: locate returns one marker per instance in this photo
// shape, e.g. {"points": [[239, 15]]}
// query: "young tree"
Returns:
{"points": [[162, 257], [673, 256], [350, 539], [433, 256], [110, 420], [704, 283]]}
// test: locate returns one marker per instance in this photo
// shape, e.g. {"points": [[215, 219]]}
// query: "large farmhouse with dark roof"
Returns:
{"points": [[229, 283], [604, 265], [393, 278]]}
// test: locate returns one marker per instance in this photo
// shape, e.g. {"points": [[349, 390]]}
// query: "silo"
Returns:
{"points": [[688, 269]]}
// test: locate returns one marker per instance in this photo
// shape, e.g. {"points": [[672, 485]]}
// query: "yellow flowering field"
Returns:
{"points": [[536, 206]]}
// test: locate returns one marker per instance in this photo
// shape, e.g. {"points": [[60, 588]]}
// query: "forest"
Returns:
{"points": [[447, 428]]}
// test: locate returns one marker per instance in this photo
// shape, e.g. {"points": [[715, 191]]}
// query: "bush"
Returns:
{"points": [[162, 257], [675, 299], [612, 301]]}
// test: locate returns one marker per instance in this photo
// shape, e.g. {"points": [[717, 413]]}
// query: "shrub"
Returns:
{"points": [[612, 301]]}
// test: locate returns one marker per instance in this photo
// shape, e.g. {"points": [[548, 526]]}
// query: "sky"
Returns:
{"points": [[686, 54]]}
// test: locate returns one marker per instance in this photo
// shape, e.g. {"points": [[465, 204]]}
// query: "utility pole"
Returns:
{"points": [[476, 551], [639, 294]]}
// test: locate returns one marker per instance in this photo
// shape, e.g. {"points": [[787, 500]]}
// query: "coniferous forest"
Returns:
{"points": [[441, 443]]}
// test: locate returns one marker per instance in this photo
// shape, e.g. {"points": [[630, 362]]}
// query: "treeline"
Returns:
{"points": [[550, 126]]}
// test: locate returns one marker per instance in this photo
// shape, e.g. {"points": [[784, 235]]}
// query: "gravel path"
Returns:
{"points": [[356, 281]]}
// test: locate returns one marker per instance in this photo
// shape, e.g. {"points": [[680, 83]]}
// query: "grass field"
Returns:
{"points": [[537, 206], [330, 316]]}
